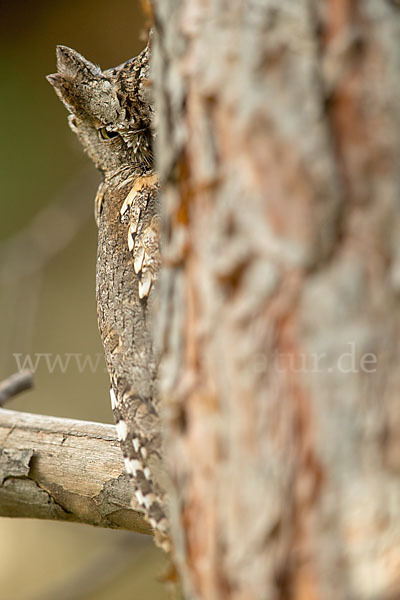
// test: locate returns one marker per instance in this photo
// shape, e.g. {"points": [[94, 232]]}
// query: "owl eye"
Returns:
{"points": [[107, 134]]}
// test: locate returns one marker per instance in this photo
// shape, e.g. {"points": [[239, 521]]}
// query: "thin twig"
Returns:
{"points": [[15, 384]]}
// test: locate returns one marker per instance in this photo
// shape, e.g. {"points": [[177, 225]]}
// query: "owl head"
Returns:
{"points": [[110, 110]]}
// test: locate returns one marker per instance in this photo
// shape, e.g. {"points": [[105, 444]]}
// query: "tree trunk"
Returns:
{"points": [[278, 146]]}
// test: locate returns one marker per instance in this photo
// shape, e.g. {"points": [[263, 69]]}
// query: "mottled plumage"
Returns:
{"points": [[111, 114]]}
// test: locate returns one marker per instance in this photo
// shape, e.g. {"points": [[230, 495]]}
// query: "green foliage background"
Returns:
{"points": [[51, 309]]}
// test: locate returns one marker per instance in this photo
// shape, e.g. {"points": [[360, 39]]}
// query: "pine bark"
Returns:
{"points": [[278, 149]]}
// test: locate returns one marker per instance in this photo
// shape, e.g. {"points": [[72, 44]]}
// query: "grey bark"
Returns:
{"points": [[65, 470], [278, 149], [14, 385]]}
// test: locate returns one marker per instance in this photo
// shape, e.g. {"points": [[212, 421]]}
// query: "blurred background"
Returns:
{"points": [[47, 287]]}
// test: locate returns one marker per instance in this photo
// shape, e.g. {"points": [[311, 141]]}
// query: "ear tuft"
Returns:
{"points": [[55, 79], [83, 88], [73, 65], [61, 86]]}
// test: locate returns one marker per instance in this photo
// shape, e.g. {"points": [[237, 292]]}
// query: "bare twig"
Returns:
{"points": [[66, 470], [15, 384]]}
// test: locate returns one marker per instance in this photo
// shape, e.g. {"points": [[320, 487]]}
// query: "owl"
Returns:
{"points": [[111, 113]]}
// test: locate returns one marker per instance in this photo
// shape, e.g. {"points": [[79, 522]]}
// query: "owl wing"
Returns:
{"points": [[143, 233], [138, 421]]}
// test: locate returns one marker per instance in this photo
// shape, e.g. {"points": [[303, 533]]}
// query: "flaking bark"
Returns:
{"points": [[278, 149], [65, 470]]}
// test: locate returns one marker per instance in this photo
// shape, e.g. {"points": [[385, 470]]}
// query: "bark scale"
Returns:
{"points": [[278, 147]]}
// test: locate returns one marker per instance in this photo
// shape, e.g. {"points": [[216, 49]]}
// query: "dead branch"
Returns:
{"points": [[65, 470], [15, 384]]}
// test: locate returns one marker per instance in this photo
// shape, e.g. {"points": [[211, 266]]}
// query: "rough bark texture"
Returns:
{"points": [[279, 149], [52, 468]]}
